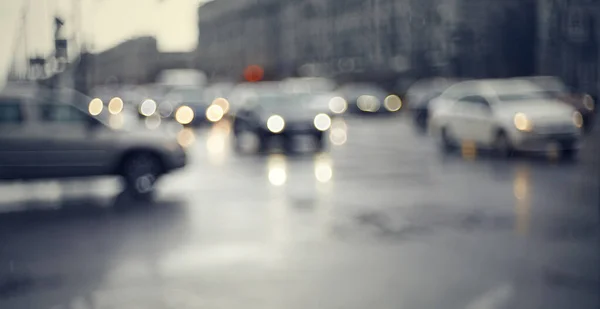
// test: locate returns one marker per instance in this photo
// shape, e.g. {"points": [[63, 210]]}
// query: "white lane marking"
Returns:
{"points": [[492, 299]]}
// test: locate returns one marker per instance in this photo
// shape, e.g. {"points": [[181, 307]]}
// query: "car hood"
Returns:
{"points": [[542, 110]]}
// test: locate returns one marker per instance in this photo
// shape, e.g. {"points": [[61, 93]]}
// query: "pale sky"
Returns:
{"points": [[105, 23]]}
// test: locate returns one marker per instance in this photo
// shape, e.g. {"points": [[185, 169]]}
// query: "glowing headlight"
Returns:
{"points": [[184, 114], [275, 124], [148, 107], [214, 113], [522, 123], [588, 102], [115, 105], [322, 122], [338, 105], [577, 119], [95, 107], [392, 103], [368, 103]]}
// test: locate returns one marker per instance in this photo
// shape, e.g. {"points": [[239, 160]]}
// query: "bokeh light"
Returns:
{"points": [[322, 122], [95, 107], [186, 137], [338, 136], [338, 105], [165, 109], [275, 124], [223, 103], [392, 103], [577, 119], [323, 169], [254, 73], [276, 165], [116, 121], [588, 102], [115, 105], [368, 103], [152, 122], [214, 113], [184, 114], [148, 107]]}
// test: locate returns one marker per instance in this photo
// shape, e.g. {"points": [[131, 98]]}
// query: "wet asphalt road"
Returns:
{"points": [[383, 220]]}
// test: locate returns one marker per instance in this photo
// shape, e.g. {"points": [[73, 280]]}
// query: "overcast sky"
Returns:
{"points": [[105, 23]]}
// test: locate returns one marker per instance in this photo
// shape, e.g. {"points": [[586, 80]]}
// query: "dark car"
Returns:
{"points": [[583, 103], [284, 116], [420, 94]]}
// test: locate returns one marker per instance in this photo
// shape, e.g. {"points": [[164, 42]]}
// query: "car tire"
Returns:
{"points": [[446, 142], [141, 171], [288, 144], [263, 143], [502, 146], [568, 152], [320, 142]]}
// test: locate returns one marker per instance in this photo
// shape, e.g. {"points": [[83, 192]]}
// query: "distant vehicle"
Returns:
{"points": [[369, 98], [287, 116], [243, 92], [189, 105], [420, 94], [505, 115], [42, 139], [583, 103]]}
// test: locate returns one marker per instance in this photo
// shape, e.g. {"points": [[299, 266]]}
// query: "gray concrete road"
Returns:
{"points": [[382, 220]]}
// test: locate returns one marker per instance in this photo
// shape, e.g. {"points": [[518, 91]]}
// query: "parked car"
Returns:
{"points": [[43, 139], [420, 94], [583, 103], [283, 115], [366, 98], [505, 115]]}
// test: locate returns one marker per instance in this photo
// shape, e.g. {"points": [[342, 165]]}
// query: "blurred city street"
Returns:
{"points": [[382, 219]]}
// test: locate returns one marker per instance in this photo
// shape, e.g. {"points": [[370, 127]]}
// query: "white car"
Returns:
{"points": [[504, 115]]}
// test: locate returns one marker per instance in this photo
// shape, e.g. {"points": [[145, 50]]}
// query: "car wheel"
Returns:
{"points": [[446, 142], [502, 145], [141, 171], [568, 152], [320, 142], [263, 143], [288, 144]]}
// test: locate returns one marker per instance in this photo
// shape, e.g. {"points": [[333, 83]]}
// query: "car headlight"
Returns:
{"points": [[522, 123], [338, 105], [184, 114], [588, 102], [368, 103], [392, 103], [577, 119], [322, 122], [275, 124]]}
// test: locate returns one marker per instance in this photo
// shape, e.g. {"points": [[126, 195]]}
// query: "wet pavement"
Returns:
{"points": [[382, 220]]}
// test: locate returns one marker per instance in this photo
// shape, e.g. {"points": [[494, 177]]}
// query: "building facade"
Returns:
{"points": [[368, 38], [569, 38]]}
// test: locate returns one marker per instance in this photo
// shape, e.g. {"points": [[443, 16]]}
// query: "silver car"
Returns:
{"points": [[41, 139]]}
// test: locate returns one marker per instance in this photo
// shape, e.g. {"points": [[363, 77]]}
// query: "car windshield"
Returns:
{"points": [[523, 96], [284, 102]]}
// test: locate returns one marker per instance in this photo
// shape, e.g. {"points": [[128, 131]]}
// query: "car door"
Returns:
{"points": [[69, 142], [477, 119], [17, 149]]}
